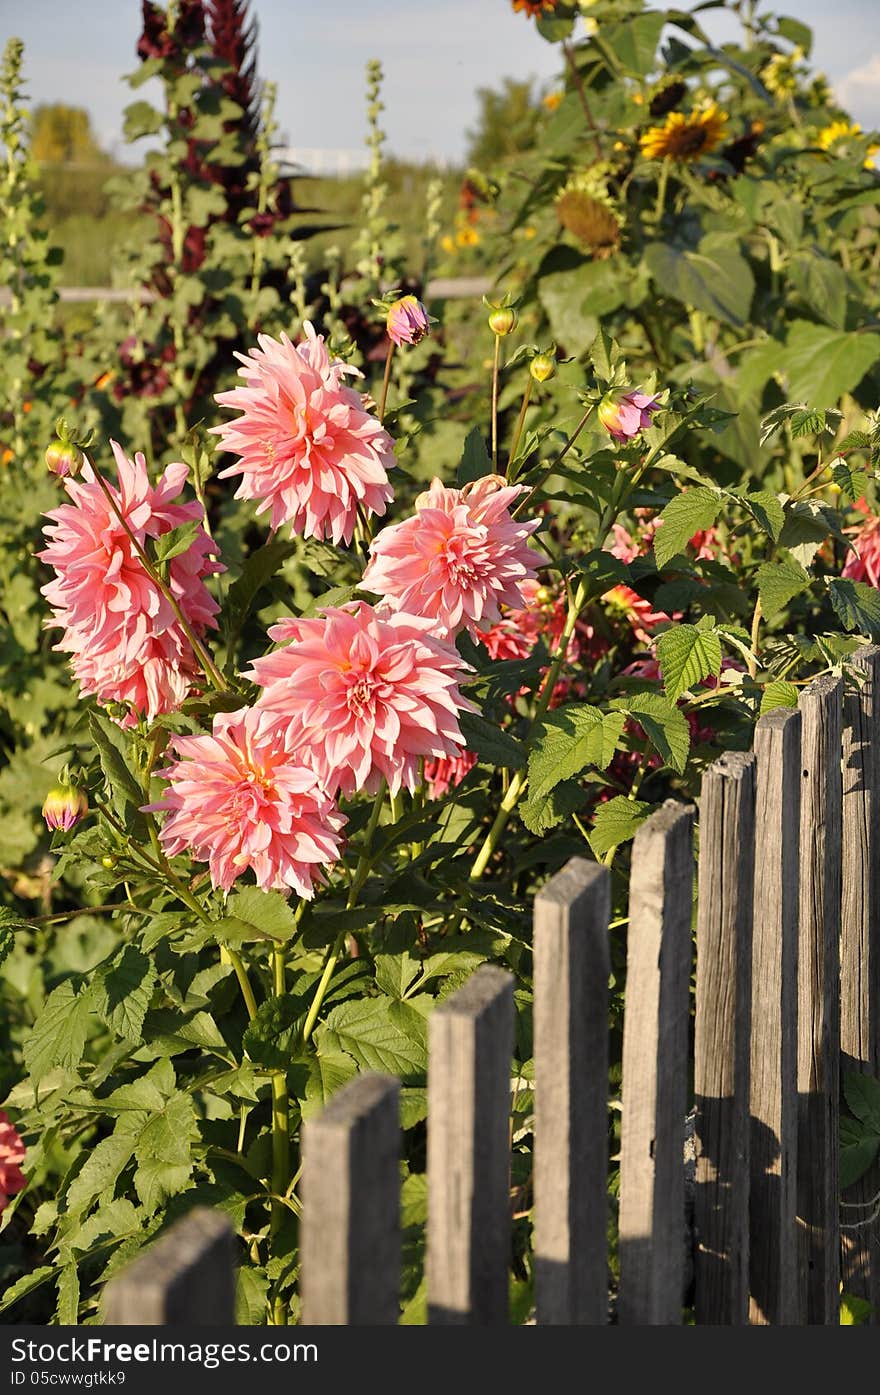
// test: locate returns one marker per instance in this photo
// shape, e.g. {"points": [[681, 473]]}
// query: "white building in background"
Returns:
{"points": [[309, 160]]}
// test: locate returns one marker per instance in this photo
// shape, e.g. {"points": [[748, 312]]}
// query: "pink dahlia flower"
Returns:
{"points": [[446, 772], [126, 642], [363, 692], [307, 448], [65, 806], [864, 563], [457, 559], [12, 1150], [242, 798], [408, 321], [625, 414]]}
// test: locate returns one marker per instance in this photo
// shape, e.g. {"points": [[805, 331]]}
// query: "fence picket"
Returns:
{"points": [[185, 1278], [571, 1095], [860, 953], [652, 1222], [351, 1206], [821, 707], [470, 1049], [721, 1040], [773, 1070]]}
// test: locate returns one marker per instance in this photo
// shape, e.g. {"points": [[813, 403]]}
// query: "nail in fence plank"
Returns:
{"points": [[185, 1278], [773, 1075], [470, 1038], [571, 1095], [722, 1039], [351, 1207], [860, 951], [821, 707], [652, 1223]]}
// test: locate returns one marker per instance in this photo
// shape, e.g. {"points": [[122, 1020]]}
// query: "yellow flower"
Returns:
{"points": [[780, 75], [552, 100], [840, 131], [467, 237], [447, 243], [685, 137]]}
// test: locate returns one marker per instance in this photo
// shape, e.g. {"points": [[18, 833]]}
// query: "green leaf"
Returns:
{"points": [[163, 1152], [856, 605], [493, 745], [778, 583], [58, 1036], [68, 1296], [851, 480], [272, 1038], [862, 1094], [687, 655], [664, 724], [604, 356], [175, 542], [575, 292], [123, 991], [566, 742], [380, 1035], [251, 1294], [395, 973], [854, 1312], [101, 1169], [328, 1072], [801, 35], [688, 513], [822, 365], [259, 569], [268, 912], [543, 814], [779, 693], [634, 41], [859, 1146], [716, 279], [767, 511], [141, 119], [822, 284], [617, 822], [475, 459], [26, 1284], [126, 794]]}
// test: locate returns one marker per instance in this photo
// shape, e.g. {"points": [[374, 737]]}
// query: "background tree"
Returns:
{"points": [[507, 123], [62, 134]]}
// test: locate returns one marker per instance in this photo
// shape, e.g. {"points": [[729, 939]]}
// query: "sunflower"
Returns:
{"points": [[586, 209], [838, 133], [685, 137], [534, 8]]}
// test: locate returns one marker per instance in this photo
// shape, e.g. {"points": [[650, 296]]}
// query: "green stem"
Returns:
{"points": [[280, 1138], [548, 469], [360, 876], [756, 626], [495, 366], [520, 422], [662, 182], [386, 379], [212, 673]]}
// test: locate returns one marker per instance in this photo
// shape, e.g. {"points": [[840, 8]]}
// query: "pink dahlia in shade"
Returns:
{"points": [[241, 798], [363, 693], [408, 321], [126, 643], [864, 563], [307, 448], [458, 559], [443, 773], [625, 414], [12, 1151]]}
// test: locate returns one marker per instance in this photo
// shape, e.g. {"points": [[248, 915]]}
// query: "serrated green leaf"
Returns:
{"points": [[545, 813], [268, 912], [126, 794], [822, 284], [716, 278], [259, 568], [664, 724], [101, 1168], [380, 1035], [328, 1072], [604, 356], [767, 510], [272, 1038], [851, 480], [778, 583], [68, 1296], [566, 742], [687, 655], [856, 604], [251, 1293], [26, 1284], [688, 513], [779, 693], [176, 541], [58, 1036], [862, 1094], [122, 992], [617, 822], [395, 973], [492, 745], [475, 459], [859, 1146]]}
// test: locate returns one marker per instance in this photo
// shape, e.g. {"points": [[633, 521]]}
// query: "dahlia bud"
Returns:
{"points": [[64, 459], [502, 320], [408, 321], [625, 414], [543, 367], [65, 807]]}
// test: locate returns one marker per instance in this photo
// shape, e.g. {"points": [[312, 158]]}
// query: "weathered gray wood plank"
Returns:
{"points": [[722, 1039], [773, 1073], [185, 1278], [652, 1230], [860, 950], [470, 1038], [351, 1207], [821, 707], [571, 1095]]}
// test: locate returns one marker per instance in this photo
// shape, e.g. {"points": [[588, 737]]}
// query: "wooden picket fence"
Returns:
{"points": [[787, 996]]}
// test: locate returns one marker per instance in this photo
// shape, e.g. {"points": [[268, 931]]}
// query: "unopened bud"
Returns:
{"points": [[65, 807], [543, 367], [408, 321], [64, 459], [502, 320]]}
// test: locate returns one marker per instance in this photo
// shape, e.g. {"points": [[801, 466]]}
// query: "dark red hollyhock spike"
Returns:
{"points": [[155, 40], [233, 38], [190, 28]]}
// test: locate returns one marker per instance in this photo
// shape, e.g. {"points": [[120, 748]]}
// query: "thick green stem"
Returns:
{"points": [[495, 367], [520, 422], [662, 182], [557, 459], [386, 379]]}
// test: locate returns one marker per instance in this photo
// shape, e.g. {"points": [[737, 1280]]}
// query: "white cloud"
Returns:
{"points": [[859, 92]]}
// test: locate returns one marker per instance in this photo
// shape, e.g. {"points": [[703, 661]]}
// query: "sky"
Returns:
{"points": [[436, 53]]}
